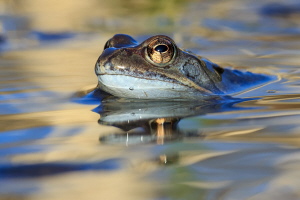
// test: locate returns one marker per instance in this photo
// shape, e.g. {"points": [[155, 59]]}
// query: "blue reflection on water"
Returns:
{"points": [[92, 98], [46, 169], [279, 9], [264, 26], [24, 135], [49, 36], [18, 150], [9, 169], [28, 102]]}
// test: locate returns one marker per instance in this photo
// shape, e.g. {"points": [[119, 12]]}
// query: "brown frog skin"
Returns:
{"points": [[158, 69]]}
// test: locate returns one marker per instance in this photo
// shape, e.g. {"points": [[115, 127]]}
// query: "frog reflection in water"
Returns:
{"points": [[158, 69]]}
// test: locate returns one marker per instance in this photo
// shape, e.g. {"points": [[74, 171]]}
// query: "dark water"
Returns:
{"points": [[56, 142]]}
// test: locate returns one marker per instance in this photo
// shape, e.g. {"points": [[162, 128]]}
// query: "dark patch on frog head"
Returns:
{"points": [[120, 40]]}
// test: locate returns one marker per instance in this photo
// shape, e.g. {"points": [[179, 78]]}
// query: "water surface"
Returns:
{"points": [[56, 143]]}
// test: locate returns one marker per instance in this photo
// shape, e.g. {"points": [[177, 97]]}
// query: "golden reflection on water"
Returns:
{"points": [[49, 118]]}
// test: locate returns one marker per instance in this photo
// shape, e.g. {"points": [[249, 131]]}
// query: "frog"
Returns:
{"points": [[158, 69]]}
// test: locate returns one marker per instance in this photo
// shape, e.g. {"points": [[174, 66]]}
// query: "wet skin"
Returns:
{"points": [[158, 69]]}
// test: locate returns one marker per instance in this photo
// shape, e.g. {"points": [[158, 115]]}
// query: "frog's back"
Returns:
{"points": [[235, 81]]}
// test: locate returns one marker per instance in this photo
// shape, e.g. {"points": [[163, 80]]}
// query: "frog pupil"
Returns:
{"points": [[161, 48]]}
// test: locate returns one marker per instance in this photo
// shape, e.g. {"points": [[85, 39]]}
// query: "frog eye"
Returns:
{"points": [[160, 51]]}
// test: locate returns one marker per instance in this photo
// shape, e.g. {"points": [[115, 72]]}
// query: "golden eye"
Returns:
{"points": [[161, 51]]}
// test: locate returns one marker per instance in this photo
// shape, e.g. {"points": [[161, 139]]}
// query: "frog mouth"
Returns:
{"points": [[123, 81]]}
